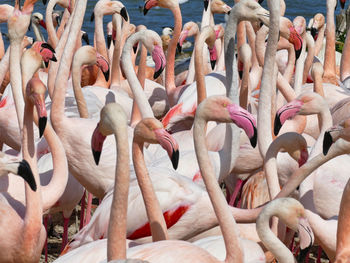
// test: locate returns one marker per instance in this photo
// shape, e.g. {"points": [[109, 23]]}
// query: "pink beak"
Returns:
{"points": [[97, 140], [288, 111], [169, 144]]}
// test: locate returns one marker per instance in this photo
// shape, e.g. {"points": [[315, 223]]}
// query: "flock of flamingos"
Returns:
{"points": [[240, 158]]}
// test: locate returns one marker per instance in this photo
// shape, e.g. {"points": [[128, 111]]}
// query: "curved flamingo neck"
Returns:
{"points": [[4, 64], [226, 221], [191, 69], [270, 240], [116, 242], [329, 58], [33, 215], [310, 55], [64, 20], [52, 37], [198, 64], [268, 80], [345, 59], [139, 95], [170, 57], [141, 76], [61, 83], [76, 80], [53, 68], [153, 209], [115, 75], [343, 239]]}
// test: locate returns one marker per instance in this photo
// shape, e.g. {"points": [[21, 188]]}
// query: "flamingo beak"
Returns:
{"points": [[306, 237], [296, 40], [206, 4], [41, 109], [314, 33], [103, 65], [42, 23], [342, 4], [124, 14], [148, 5], [92, 18], [288, 111], [260, 2], [169, 144], [245, 120], [58, 20], [97, 140], [109, 40], [179, 47], [85, 37], [213, 57], [159, 60], [26, 173], [327, 142], [304, 155], [44, 2]]}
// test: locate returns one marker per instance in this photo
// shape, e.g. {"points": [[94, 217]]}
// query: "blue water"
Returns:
{"points": [[191, 10]]}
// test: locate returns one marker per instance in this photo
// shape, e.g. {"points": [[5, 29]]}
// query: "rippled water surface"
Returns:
{"points": [[191, 10]]}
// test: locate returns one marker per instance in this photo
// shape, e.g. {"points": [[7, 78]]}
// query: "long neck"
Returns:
{"points": [[154, 212], [33, 215], [191, 69], [101, 48], [54, 190], [272, 242], [220, 65], [2, 46], [52, 37], [61, 83], [226, 221], [299, 69], [289, 71], [115, 73], [198, 64], [16, 78], [170, 65], [53, 68], [139, 95], [37, 33], [268, 81], [329, 56], [141, 76], [78, 94], [4, 65], [343, 238], [310, 56], [319, 40], [116, 242], [229, 152], [64, 20], [345, 59]]}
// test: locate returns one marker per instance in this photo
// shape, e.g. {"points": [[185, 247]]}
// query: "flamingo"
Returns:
{"points": [[36, 20], [28, 232], [293, 214]]}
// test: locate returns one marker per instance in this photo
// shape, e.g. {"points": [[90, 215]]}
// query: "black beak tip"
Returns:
{"points": [[134, 48], [42, 125], [175, 159], [54, 59], [109, 40], [277, 126], [212, 63], [179, 48], [46, 64], [342, 4], [106, 74], [297, 53], [92, 18], [157, 73], [44, 2], [327, 142], [240, 73], [145, 11], [97, 156], [206, 4], [229, 12], [302, 254], [85, 37], [124, 14], [313, 32], [25, 172], [260, 2], [254, 139]]}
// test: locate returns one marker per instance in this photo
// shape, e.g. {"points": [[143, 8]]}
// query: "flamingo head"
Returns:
{"points": [[148, 5], [36, 94], [318, 22], [220, 7], [342, 130], [296, 40], [103, 64], [152, 131], [46, 52], [251, 11], [306, 237], [37, 19], [109, 8], [286, 112], [170, 4]]}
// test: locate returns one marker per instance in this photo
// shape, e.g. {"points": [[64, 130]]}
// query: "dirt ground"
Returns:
{"points": [[55, 240]]}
